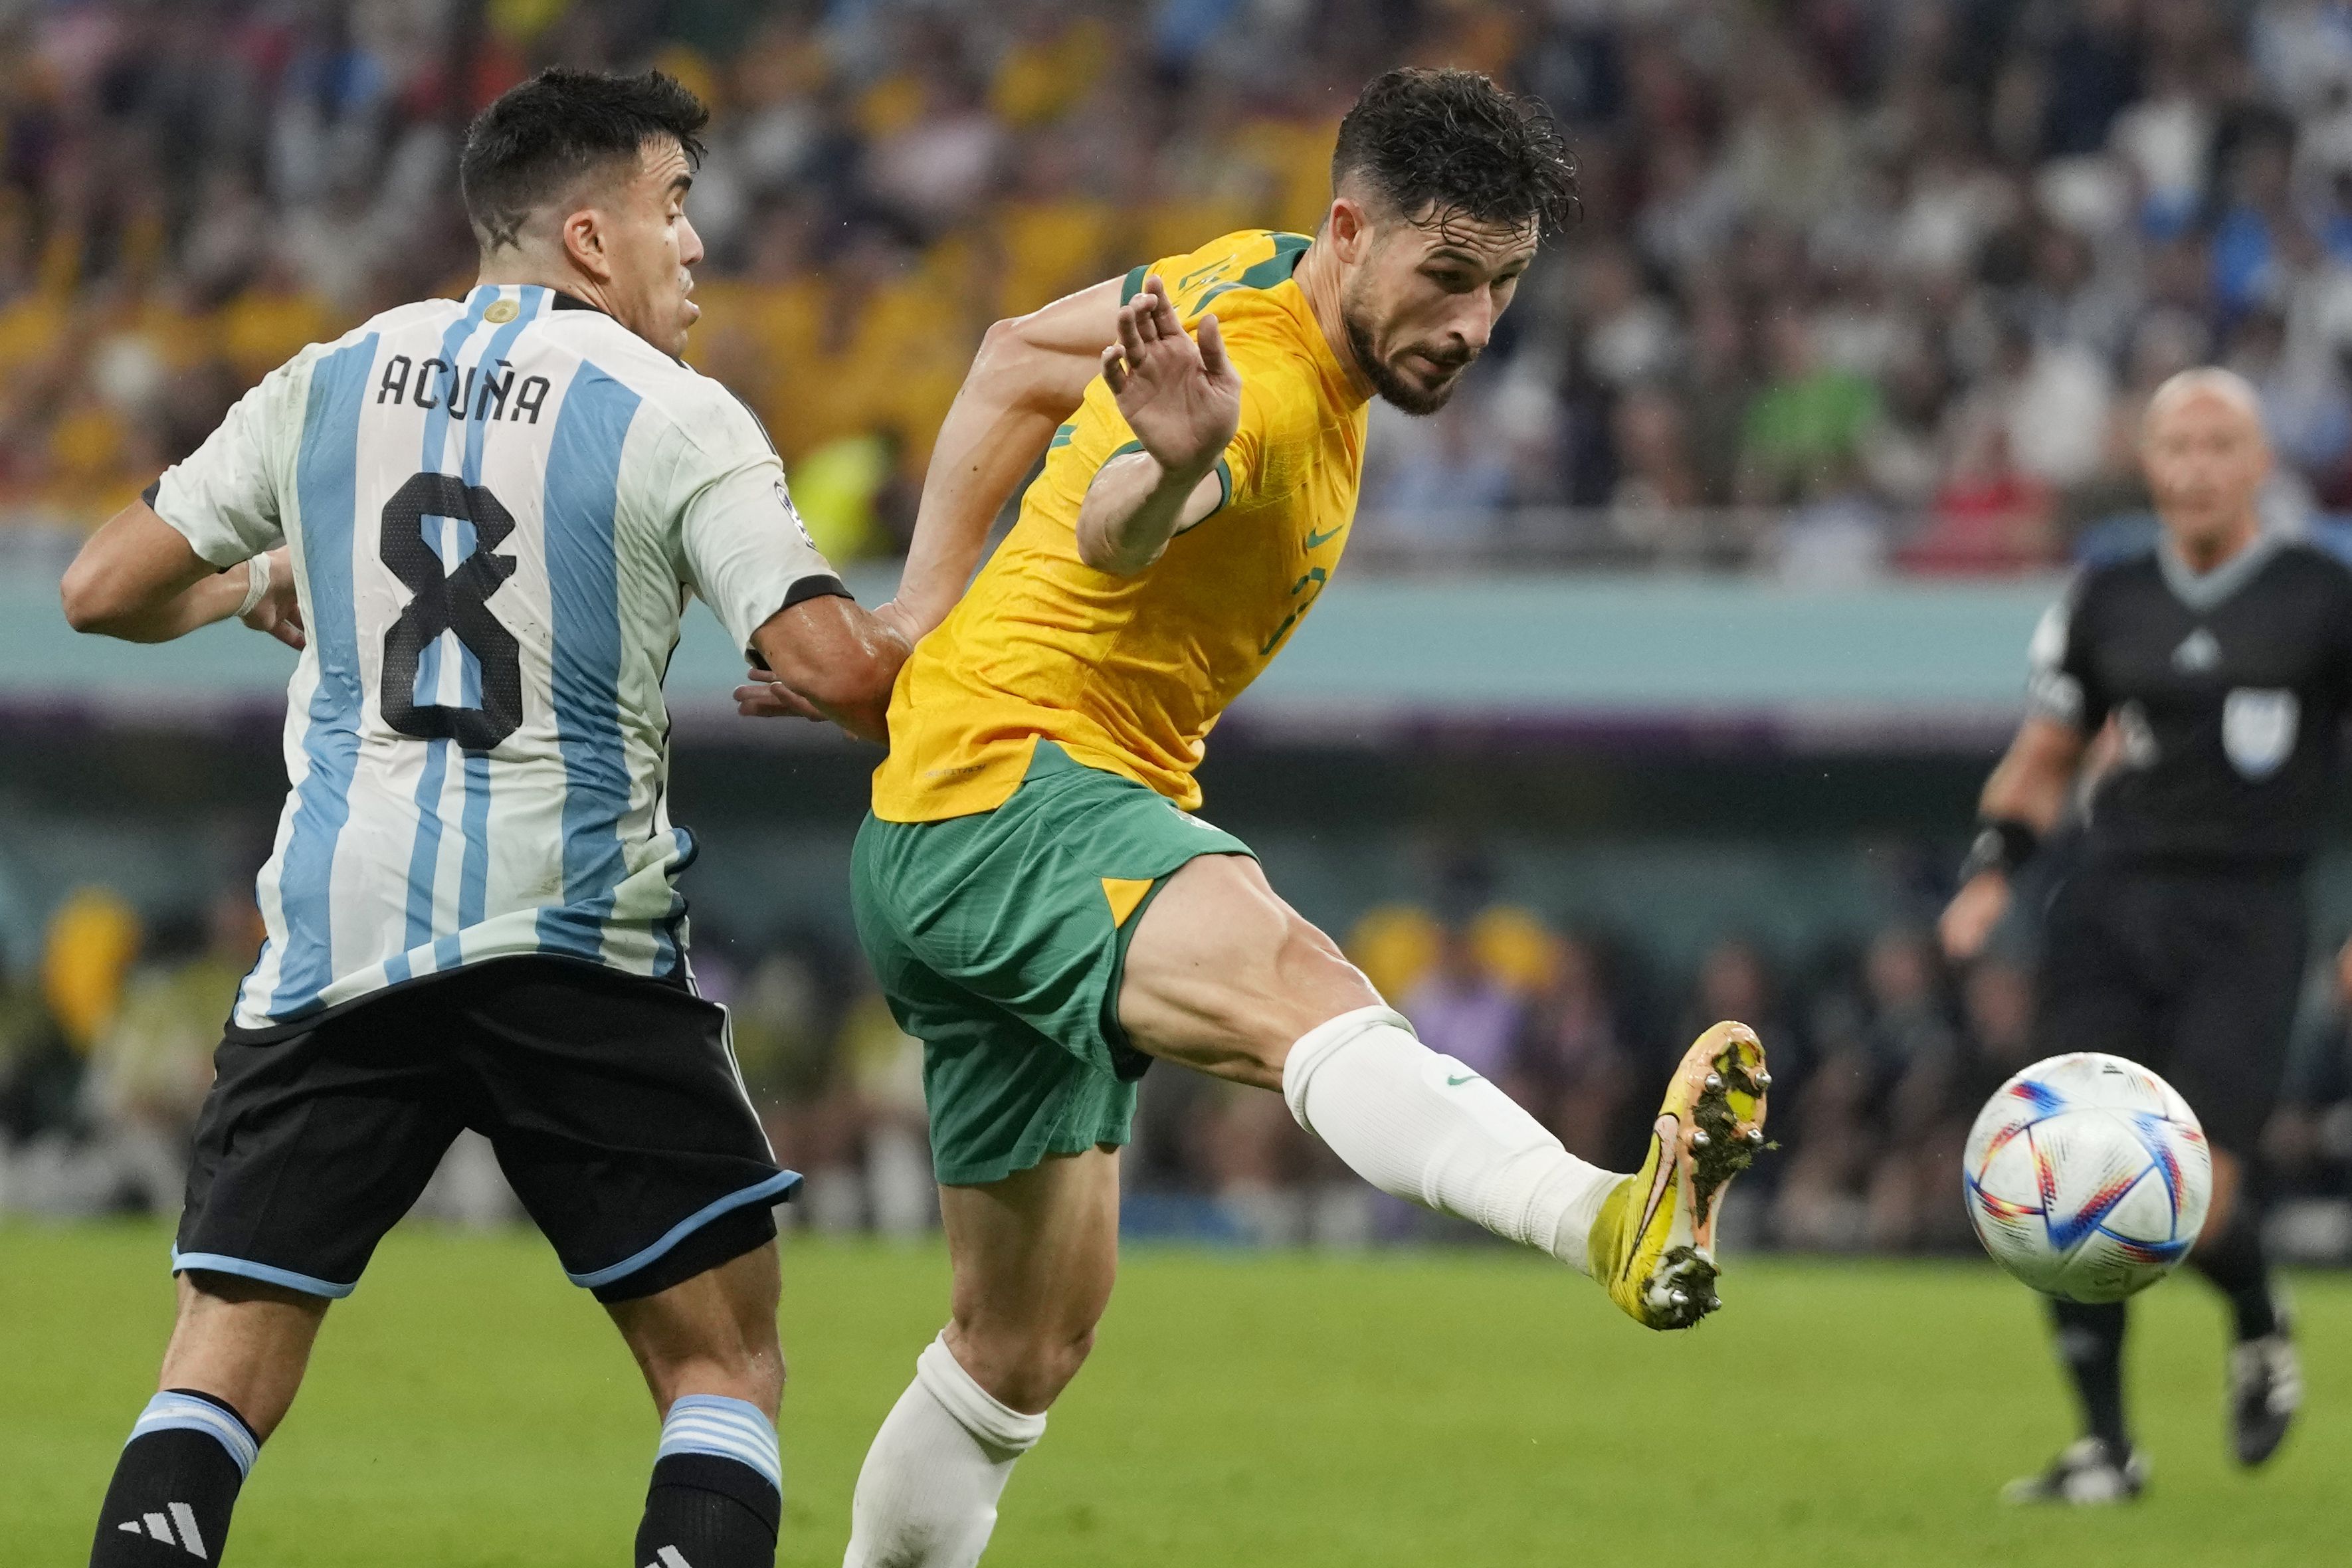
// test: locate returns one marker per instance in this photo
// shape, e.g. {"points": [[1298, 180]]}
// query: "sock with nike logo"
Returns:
{"points": [[718, 1492], [175, 1484], [1425, 1128], [927, 1493]]}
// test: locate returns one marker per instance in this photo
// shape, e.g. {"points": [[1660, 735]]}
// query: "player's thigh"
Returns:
{"points": [[614, 1107], [1223, 976], [2228, 1037], [712, 1334], [314, 1141], [1034, 1257]]}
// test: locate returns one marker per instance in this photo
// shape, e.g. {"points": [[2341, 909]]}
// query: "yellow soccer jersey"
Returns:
{"points": [[1128, 674]]}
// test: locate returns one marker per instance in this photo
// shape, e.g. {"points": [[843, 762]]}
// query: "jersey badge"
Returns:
{"points": [[2199, 653], [784, 498], [501, 312], [2258, 731]]}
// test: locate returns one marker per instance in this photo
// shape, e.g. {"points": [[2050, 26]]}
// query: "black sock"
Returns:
{"points": [[2090, 1343], [2234, 1262], [704, 1512], [175, 1484]]}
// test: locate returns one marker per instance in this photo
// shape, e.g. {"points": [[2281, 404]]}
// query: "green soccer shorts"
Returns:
{"points": [[999, 939]]}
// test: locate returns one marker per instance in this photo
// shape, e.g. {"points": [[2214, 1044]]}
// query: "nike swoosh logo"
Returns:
{"points": [[1318, 541], [1664, 1131], [1458, 1082]]}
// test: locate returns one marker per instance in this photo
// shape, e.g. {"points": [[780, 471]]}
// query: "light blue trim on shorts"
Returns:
{"points": [[216, 1263], [773, 1189]]}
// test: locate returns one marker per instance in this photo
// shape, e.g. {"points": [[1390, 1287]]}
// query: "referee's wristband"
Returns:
{"points": [[2002, 844]]}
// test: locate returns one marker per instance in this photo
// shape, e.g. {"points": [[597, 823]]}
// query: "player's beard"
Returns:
{"points": [[1395, 389]]}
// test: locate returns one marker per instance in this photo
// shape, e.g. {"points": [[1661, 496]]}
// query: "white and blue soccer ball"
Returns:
{"points": [[2087, 1177]]}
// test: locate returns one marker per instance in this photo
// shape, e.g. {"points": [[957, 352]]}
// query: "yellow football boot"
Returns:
{"points": [[1653, 1245]]}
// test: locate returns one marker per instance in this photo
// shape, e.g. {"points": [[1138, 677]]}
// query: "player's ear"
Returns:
{"points": [[583, 242], [1349, 227]]}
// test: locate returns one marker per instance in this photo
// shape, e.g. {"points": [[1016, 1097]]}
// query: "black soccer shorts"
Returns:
{"points": [[611, 1100], [2194, 973]]}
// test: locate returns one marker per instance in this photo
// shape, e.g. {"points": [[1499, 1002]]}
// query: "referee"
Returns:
{"points": [[2221, 662]]}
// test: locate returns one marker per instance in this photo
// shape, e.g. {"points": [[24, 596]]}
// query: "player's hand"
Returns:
{"points": [[901, 620], [1973, 912], [2344, 971], [280, 614], [764, 697], [1183, 398]]}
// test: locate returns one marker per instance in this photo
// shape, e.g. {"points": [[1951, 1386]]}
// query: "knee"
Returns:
{"points": [[1026, 1369]]}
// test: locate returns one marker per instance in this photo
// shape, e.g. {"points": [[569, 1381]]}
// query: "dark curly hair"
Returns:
{"points": [[540, 136], [1443, 144]]}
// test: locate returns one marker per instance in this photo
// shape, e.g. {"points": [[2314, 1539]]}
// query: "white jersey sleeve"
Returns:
{"points": [[224, 498], [743, 546]]}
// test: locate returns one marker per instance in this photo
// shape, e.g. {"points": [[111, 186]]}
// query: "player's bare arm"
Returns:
{"points": [[139, 580], [1183, 398], [826, 658], [1031, 374], [2027, 790]]}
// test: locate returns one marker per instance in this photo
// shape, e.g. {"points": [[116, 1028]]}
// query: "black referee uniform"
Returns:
{"points": [[2178, 937]]}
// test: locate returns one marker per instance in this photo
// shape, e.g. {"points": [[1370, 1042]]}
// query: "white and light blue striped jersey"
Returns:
{"points": [[496, 508]]}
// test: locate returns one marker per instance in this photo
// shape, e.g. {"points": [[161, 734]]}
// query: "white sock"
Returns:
{"points": [[927, 1497], [1425, 1127]]}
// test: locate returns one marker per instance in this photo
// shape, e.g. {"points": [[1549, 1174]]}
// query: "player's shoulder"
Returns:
{"points": [[1225, 272], [393, 326], [698, 411]]}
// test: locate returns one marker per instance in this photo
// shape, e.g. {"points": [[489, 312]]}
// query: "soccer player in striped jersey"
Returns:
{"points": [[1042, 907], [480, 519]]}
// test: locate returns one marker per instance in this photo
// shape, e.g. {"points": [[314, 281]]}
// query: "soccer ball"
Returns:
{"points": [[2087, 1177]]}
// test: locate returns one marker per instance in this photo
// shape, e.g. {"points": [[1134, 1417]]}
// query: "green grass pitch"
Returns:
{"points": [[466, 1409]]}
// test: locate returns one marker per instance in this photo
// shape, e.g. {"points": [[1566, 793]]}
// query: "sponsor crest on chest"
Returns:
{"points": [[2258, 731], [2198, 653]]}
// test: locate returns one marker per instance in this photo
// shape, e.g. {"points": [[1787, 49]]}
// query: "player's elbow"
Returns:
{"points": [[1095, 551], [1019, 368], [1100, 548], [89, 598]]}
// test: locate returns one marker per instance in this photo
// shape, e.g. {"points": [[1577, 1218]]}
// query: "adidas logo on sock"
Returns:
{"points": [[158, 1527], [669, 1557]]}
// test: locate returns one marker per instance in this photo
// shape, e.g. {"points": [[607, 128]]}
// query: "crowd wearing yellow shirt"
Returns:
{"points": [[878, 190]]}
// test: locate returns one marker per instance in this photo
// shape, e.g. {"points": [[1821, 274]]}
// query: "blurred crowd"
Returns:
{"points": [[1881, 1057], [1860, 285]]}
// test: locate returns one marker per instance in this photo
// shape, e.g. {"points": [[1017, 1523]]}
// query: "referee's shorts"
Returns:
{"points": [[613, 1102], [2195, 972]]}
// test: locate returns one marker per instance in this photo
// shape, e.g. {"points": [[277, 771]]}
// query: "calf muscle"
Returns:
{"points": [[244, 1342]]}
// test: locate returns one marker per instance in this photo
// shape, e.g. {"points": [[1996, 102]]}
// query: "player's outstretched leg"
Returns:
{"points": [[2102, 1465], [709, 1351], [1224, 976], [2265, 1374], [237, 1353], [1033, 1256]]}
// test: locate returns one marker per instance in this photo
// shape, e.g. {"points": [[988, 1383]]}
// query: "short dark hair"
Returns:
{"points": [[1451, 144], [540, 136]]}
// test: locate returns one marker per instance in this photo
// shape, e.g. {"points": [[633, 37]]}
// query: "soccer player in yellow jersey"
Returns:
{"points": [[1043, 910]]}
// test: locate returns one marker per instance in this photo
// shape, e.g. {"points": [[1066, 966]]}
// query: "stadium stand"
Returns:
{"points": [[1857, 287]]}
